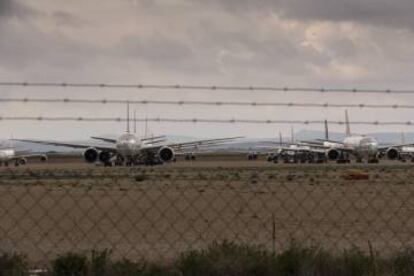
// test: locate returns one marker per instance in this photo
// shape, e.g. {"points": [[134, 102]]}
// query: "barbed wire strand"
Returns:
{"points": [[201, 120], [205, 87], [206, 103]]}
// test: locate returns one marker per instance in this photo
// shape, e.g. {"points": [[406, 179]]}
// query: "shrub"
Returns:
{"points": [[228, 259], [402, 263], [70, 264], [13, 265], [141, 268]]}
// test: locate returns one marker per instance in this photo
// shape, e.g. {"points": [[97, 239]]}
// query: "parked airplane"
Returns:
{"points": [[9, 155], [288, 152], [130, 150], [360, 146], [401, 152]]}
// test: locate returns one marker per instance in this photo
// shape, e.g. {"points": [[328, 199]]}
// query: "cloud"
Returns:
{"points": [[393, 14], [317, 43], [13, 8]]}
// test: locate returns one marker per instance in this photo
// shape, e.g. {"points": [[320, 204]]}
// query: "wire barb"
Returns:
{"points": [[205, 103], [202, 120], [205, 87]]}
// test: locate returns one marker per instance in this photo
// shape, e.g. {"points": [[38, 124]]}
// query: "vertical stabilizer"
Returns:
{"points": [[348, 127], [127, 119], [135, 121], [326, 130], [292, 135], [146, 128], [11, 142], [403, 141], [280, 138]]}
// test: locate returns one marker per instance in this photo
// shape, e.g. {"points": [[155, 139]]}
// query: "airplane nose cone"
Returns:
{"points": [[373, 146]]}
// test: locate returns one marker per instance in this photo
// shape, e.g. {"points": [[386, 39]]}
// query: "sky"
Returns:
{"points": [[284, 43]]}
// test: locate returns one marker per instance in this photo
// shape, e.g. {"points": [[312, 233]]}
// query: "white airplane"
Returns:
{"points": [[130, 150], [295, 152], [288, 152], [402, 152], [9, 155], [360, 146]]}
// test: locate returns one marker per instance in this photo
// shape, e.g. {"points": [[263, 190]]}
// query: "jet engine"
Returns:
{"points": [[392, 153], [22, 161], [105, 157], [43, 158], [166, 154], [333, 154], [91, 155]]}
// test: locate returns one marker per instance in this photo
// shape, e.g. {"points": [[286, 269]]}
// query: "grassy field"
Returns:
{"points": [[50, 209]]}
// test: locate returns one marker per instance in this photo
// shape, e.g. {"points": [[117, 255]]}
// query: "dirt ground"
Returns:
{"points": [[157, 212]]}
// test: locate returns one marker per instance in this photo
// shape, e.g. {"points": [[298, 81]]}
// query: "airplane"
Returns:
{"points": [[130, 150], [292, 152], [9, 155], [360, 146], [402, 152]]}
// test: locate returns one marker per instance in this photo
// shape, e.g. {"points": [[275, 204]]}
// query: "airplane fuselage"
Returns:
{"points": [[128, 145], [6, 154], [362, 146]]}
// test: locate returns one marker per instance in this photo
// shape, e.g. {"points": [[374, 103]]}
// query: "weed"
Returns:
{"points": [[13, 265], [70, 264], [402, 263], [227, 258]]}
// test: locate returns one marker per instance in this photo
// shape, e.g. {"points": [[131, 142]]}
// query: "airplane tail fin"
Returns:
{"points": [[280, 138], [326, 130], [292, 135], [348, 127], [11, 142], [127, 118], [135, 121], [146, 128]]}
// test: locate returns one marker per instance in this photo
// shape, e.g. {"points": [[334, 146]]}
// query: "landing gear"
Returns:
{"points": [[252, 156], [189, 157]]}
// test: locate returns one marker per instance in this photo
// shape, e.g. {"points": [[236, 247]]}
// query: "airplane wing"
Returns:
{"points": [[193, 144], [153, 138], [108, 140], [327, 140], [153, 142], [60, 144], [42, 156], [197, 143], [384, 148]]}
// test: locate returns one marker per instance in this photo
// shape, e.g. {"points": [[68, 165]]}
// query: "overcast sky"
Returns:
{"points": [[316, 43]]}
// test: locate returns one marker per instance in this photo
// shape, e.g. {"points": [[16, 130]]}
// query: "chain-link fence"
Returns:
{"points": [[157, 213]]}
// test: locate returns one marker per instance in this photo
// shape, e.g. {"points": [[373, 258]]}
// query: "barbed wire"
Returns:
{"points": [[201, 120], [207, 103], [205, 87]]}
